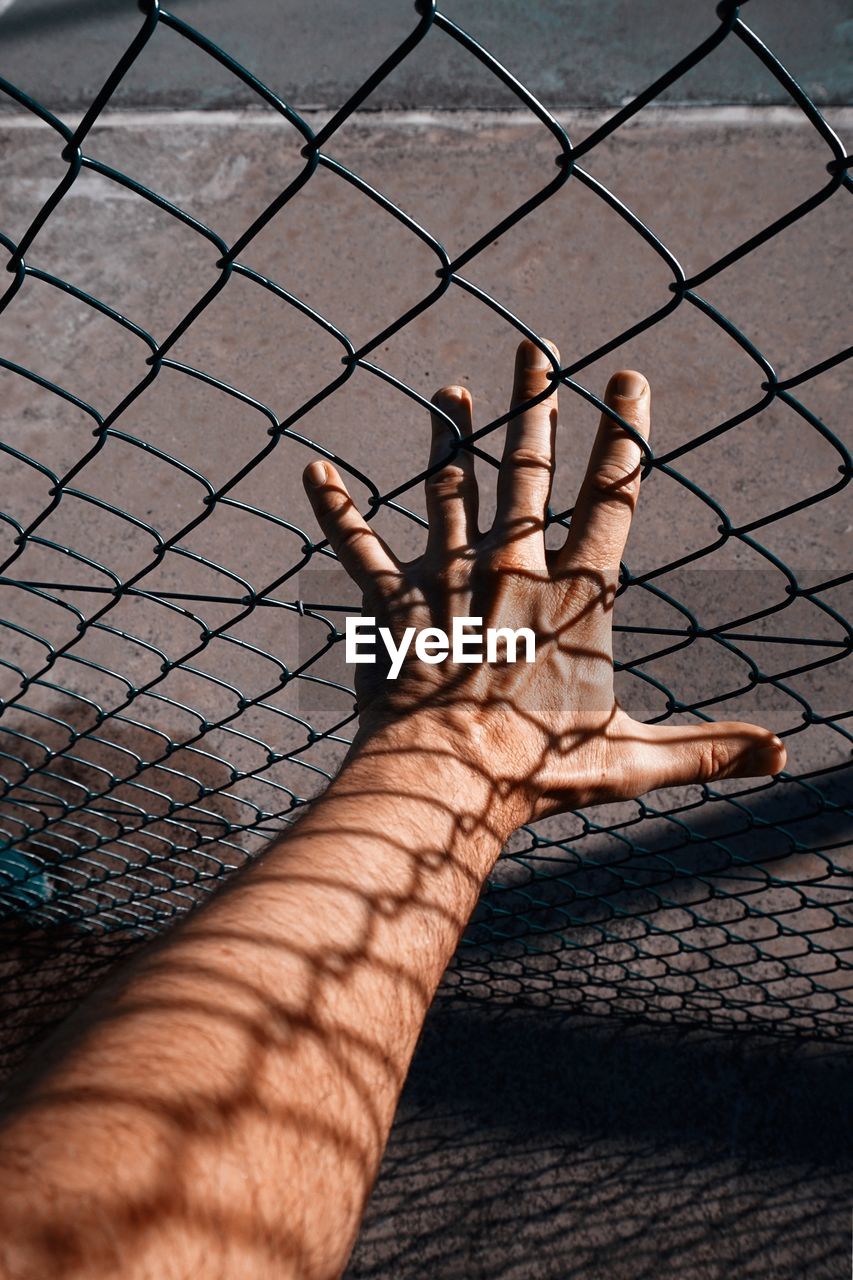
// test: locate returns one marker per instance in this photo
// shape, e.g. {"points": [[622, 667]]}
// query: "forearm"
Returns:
{"points": [[226, 1103]]}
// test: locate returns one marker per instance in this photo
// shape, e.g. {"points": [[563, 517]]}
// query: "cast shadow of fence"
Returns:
{"points": [[676, 926], [735, 913], [533, 1143], [79, 894]]}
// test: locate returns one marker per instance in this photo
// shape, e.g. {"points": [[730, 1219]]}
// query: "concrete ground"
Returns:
{"points": [[569, 52], [529, 1143]]}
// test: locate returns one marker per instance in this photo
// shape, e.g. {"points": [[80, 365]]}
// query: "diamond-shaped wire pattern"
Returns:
{"points": [[137, 774]]}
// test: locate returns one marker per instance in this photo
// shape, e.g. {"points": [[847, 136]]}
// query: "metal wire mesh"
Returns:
{"points": [[136, 776]]}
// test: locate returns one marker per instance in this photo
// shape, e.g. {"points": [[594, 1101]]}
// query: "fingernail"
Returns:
{"points": [[769, 758], [317, 473], [451, 397], [533, 357], [628, 384]]}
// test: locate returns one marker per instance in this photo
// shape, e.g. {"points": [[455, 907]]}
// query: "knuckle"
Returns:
{"points": [[452, 574], [507, 559], [714, 760], [525, 457], [446, 578], [592, 588], [339, 510], [450, 482], [333, 500], [353, 535], [615, 479]]}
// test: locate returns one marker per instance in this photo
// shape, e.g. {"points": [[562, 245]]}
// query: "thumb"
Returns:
{"points": [[675, 755]]}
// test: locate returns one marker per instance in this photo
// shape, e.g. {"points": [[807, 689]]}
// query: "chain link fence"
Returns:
{"points": [[164, 715]]}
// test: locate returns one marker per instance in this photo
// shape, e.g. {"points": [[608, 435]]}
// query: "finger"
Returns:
{"points": [[451, 492], [527, 465], [359, 548], [676, 755], [608, 495]]}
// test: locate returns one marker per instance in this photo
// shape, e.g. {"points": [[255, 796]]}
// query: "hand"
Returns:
{"points": [[549, 733]]}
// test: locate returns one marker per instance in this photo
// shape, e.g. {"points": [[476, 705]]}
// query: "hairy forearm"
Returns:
{"points": [[221, 1108]]}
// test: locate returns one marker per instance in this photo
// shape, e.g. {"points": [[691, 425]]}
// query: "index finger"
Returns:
{"points": [[361, 551]]}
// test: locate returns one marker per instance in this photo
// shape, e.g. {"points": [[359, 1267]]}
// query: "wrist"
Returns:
{"points": [[446, 751]]}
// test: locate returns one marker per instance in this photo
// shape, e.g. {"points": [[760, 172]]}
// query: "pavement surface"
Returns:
{"points": [[529, 1144], [569, 52]]}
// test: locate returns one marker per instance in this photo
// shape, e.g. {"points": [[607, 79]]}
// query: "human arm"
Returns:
{"points": [[220, 1107]]}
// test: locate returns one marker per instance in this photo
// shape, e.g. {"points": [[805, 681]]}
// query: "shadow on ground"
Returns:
{"points": [[531, 1145]]}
